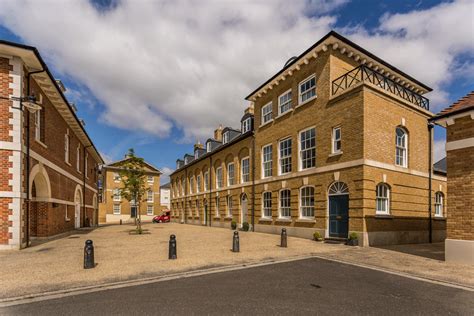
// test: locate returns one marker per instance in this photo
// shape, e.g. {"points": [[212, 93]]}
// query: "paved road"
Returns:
{"points": [[305, 287]]}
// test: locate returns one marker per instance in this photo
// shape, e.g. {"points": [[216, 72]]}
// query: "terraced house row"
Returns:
{"points": [[337, 141]]}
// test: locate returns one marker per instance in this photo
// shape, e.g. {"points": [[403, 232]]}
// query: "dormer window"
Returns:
{"points": [[225, 138], [246, 124], [196, 154], [208, 147]]}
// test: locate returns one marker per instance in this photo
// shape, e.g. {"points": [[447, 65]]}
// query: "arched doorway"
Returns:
{"points": [[40, 193], [77, 207], [243, 208], [338, 210]]}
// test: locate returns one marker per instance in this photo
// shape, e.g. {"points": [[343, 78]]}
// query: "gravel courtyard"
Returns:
{"points": [[58, 264]]}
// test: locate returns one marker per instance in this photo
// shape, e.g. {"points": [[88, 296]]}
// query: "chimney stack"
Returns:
{"points": [[198, 145], [249, 109], [218, 133]]}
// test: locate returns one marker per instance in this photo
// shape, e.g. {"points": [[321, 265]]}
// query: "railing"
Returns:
{"points": [[363, 73]]}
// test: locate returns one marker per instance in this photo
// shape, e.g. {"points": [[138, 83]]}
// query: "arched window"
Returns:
{"points": [[382, 199], [285, 203], [401, 145], [338, 188], [439, 204], [267, 204], [307, 202]]}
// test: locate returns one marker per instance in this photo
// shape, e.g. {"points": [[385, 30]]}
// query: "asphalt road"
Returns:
{"points": [[305, 287]]}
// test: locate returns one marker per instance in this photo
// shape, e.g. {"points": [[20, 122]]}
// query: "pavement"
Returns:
{"points": [[304, 287], [57, 266]]}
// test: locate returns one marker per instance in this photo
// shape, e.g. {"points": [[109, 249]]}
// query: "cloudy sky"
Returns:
{"points": [[159, 75]]}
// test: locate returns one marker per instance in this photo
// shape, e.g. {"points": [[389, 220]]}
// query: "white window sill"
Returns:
{"points": [[284, 113], [305, 102], [284, 174], [68, 163], [335, 154], [306, 220], [41, 143], [405, 167], [265, 219], [284, 219], [266, 123], [301, 169]]}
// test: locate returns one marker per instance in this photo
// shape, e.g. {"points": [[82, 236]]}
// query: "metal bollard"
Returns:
{"points": [[172, 251], [236, 242], [120, 222], [284, 239], [89, 255]]}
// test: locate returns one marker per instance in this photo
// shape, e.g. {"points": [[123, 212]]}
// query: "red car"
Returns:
{"points": [[163, 218]]}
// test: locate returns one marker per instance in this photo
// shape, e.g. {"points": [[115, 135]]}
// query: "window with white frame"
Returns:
{"points": [[245, 170], [336, 140], [219, 179], [116, 177], [229, 206], [307, 202], [38, 114], [117, 197], [307, 89], [230, 174], [285, 156], [267, 205], [225, 138], [208, 147], [150, 179], [246, 125], [78, 158], [66, 148], [149, 196], [267, 113], [217, 206], [401, 142], [206, 181], [116, 209], [267, 162], [285, 203], [284, 102], [198, 183], [382, 199], [191, 185], [308, 148], [149, 209], [439, 203], [197, 208]]}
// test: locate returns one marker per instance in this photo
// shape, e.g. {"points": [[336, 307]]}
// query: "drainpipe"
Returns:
{"points": [[27, 219], [253, 181], [210, 189], [430, 180], [185, 193]]}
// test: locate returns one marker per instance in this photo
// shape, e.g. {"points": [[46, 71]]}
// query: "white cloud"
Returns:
{"points": [[189, 64], [439, 150], [165, 177]]}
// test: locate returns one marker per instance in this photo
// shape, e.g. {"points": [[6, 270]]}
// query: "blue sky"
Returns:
{"points": [[157, 76]]}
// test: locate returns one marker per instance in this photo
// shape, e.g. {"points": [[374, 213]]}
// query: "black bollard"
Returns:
{"points": [[173, 254], [120, 222], [236, 242], [89, 255], [284, 239]]}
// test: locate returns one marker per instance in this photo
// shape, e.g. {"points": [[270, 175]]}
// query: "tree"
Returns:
{"points": [[134, 182]]}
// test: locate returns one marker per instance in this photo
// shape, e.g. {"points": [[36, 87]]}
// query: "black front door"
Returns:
{"points": [[133, 211], [339, 216]]}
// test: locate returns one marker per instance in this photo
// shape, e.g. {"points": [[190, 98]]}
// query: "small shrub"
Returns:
{"points": [[317, 236], [233, 225], [353, 236], [245, 226]]}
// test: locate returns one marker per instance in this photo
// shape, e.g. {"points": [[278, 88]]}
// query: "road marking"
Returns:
{"points": [[26, 299]]}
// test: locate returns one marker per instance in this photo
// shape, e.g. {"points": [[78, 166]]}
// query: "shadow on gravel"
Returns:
{"points": [[431, 251]]}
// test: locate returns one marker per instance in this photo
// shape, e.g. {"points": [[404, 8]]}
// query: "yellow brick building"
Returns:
{"points": [[335, 142], [113, 207]]}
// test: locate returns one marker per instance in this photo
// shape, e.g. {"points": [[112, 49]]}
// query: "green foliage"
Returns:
{"points": [[233, 225], [245, 226], [317, 236], [353, 236]]}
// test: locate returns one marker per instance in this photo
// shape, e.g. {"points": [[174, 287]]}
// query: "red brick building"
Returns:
{"points": [[48, 163], [459, 122]]}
